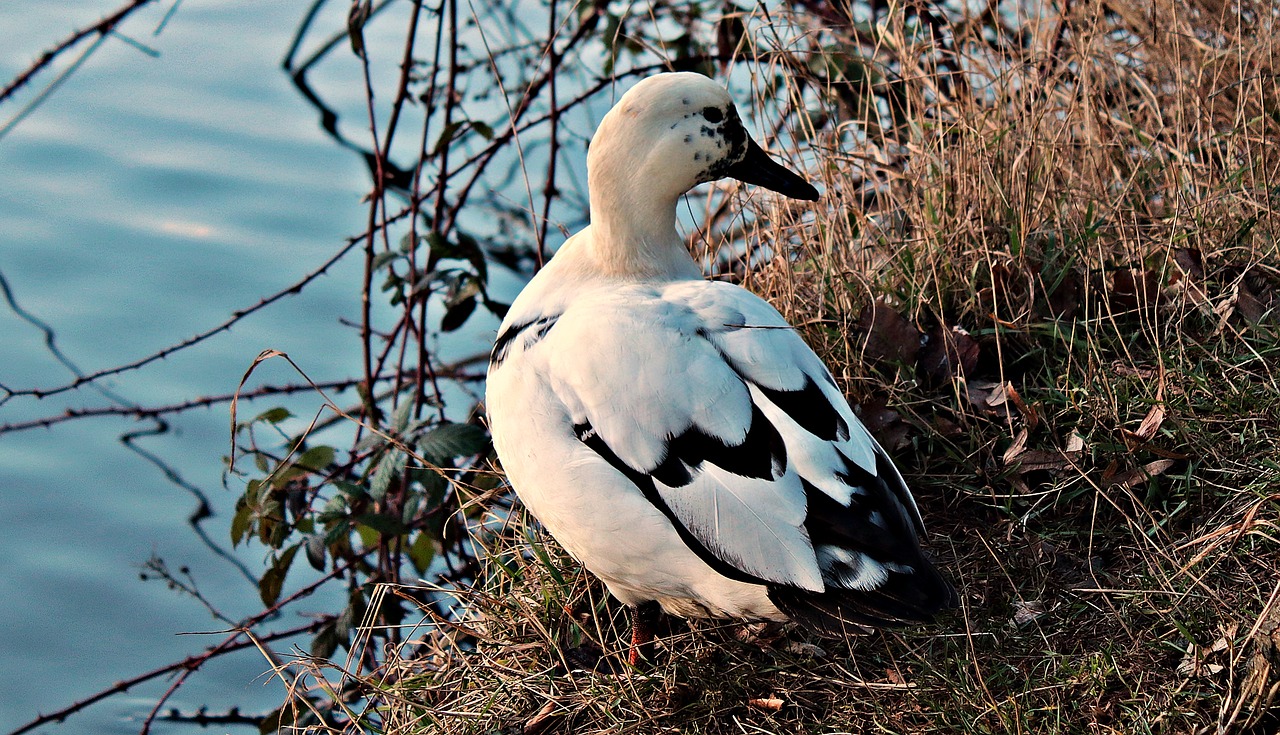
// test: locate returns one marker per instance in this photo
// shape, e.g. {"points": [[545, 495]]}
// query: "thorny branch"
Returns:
{"points": [[101, 28]]}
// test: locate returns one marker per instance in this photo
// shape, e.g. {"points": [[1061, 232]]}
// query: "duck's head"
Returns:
{"points": [[674, 131]]}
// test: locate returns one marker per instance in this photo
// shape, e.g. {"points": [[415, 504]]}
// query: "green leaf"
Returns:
{"points": [[439, 245], [327, 640], [458, 314], [274, 415], [316, 458], [446, 136], [474, 254], [409, 243], [432, 482], [421, 552], [389, 468], [369, 442], [241, 521], [412, 503], [334, 508], [445, 442], [386, 526], [315, 551], [384, 257], [273, 581], [349, 489], [338, 533], [451, 131], [368, 536], [401, 418]]}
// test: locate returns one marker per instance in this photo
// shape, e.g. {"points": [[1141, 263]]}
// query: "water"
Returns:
{"points": [[145, 201]]}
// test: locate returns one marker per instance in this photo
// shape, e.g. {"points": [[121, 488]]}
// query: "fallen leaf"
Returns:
{"points": [[985, 395], [1149, 426], [1132, 290], [1075, 443], [1249, 306], [1026, 611], [1191, 261], [1028, 412], [1017, 447], [1133, 371], [541, 721], [1041, 459], [876, 414], [885, 423], [1132, 477], [891, 337], [1065, 299], [767, 704], [948, 353]]}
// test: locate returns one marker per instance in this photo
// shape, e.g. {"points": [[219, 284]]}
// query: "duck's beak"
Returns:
{"points": [[758, 168]]}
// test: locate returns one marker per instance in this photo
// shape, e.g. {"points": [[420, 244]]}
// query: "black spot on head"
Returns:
{"points": [[732, 133], [688, 139], [685, 102], [735, 133], [713, 114]]}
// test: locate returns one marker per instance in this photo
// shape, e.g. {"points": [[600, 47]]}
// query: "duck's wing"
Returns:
{"points": [[705, 399]]}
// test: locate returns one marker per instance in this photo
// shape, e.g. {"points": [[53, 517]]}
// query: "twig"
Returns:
{"points": [[190, 663], [102, 27], [236, 316]]}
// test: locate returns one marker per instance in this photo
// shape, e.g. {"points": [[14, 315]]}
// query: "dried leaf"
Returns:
{"points": [[1249, 306], [876, 415], [890, 336], [1075, 443], [985, 395], [948, 353], [541, 721], [1133, 371], [1141, 474], [1028, 412], [1017, 447], [1041, 459], [1191, 261], [1027, 611], [1065, 300], [1132, 290], [1150, 424], [768, 704]]}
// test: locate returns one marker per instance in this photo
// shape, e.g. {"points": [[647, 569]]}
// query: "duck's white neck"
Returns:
{"points": [[633, 232], [634, 187]]}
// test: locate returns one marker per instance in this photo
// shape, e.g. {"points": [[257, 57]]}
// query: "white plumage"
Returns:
{"points": [[675, 435]]}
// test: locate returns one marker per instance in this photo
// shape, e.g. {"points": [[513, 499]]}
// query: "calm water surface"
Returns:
{"points": [[145, 201]]}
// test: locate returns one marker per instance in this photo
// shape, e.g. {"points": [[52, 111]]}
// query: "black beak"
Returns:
{"points": [[758, 168]]}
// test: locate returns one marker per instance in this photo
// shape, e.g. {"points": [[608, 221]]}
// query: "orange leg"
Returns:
{"points": [[643, 619]]}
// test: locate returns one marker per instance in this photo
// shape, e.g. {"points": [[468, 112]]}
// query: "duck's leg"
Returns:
{"points": [[643, 619]]}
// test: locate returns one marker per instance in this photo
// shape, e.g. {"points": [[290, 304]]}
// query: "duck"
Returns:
{"points": [[675, 435]]}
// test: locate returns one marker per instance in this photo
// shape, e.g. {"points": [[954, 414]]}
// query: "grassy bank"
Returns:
{"points": [[1049, 284]]}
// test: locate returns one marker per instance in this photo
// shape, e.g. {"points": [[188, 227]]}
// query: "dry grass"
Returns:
{"points": [[1097, 453]]}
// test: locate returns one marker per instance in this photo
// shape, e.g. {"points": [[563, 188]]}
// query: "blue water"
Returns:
{"points": [[146, 200]]}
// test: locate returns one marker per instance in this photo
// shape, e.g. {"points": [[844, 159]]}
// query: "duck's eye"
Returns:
{"points": [[713, 114]]}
